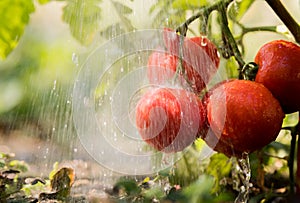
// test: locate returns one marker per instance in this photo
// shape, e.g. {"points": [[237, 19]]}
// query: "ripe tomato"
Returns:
{"points": [[209, 48], [279, 71], [200, 62], [161, 67], [243, 115], [169, 119]]}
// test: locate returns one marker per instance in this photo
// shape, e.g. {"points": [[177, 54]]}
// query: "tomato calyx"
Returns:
{"points": [[249, 71]]}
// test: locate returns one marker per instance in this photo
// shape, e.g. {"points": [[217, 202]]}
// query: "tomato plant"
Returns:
{"points": [[253, 161], [243, 116]]}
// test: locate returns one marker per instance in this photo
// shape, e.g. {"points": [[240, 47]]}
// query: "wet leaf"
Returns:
{"points": [[62, 179], [201, 191], [155, 192], [112, 31], [165, 15], [238, 9], [61, 184], [219, 167], [18, 165], [129, 186], [186, 170], [83, 18], [122, 11], [232, 68], [121, 8], [14, 15]]}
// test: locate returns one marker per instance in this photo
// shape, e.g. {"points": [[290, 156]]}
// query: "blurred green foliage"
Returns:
{"points": [[84, 18], [14, 15]]}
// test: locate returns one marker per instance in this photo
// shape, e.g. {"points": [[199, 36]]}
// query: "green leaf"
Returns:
{"points": [[18, 165], [189, 4], [232, 68], [165, 15], [83, 18], [121, 8], [187, 169], [201, 191], [122, 11], [219, 167], [238, 9], [155, 192], [14, 15], [129, 186]]}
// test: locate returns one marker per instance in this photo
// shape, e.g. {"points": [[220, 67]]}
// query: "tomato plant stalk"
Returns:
{"points": [[286, 18]]}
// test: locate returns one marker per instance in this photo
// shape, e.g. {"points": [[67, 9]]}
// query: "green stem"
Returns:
{"points": [[205, 11], [286, 18], [229, 36], [291, 161], [256, 29]]}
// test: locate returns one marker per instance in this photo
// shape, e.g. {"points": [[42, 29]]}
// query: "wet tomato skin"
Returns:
{"points": [[279, 71], [161, 67], [170, 119], [243, 116], [200, 61]]}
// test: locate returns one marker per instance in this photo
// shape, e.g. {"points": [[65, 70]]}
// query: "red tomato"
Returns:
{"points": [[200, 60], [243, 115], [169, 119], [161, 67], [279, 71]]}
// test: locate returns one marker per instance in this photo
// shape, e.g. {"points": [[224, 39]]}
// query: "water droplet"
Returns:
{"points": [[86, 101], [54, 85], [75, 59], [242, 174], [203, 41], [75, 150], [122, 69]]}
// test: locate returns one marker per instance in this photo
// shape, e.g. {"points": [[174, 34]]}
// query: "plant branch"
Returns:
{"points": [[205, 11], [291, 161], [286, 18], [229, 36], [259, 29]]}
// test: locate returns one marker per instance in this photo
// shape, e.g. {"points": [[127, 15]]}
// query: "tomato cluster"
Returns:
{"points": [[234, 116]]}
